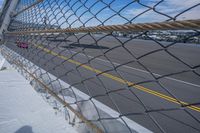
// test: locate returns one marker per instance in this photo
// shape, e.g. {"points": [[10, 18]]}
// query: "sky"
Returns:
{"points": [[77, 13], [1, 2]]}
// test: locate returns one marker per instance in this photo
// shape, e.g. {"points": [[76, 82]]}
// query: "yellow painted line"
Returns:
{"points": [[120, 80]]}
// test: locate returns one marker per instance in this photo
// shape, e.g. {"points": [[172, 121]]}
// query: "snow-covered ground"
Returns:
{"points": [[22, 109]]}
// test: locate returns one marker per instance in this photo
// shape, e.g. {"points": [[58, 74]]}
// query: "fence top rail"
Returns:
{"points": [[175, 25]]}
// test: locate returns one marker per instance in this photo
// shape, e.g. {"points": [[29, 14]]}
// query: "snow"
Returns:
{"points": [[72, 95], [22, 109]]}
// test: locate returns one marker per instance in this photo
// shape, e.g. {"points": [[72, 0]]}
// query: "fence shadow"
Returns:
{"points": [[25, 129]]}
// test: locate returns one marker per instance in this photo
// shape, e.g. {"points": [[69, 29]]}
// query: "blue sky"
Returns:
{"points": [[1, 2], [77, 13]]}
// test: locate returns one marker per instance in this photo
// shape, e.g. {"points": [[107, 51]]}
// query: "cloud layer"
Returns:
{"points": [[168, 9]]}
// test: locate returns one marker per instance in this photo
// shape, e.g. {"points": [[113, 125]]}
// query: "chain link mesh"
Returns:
{"points": [[150, 77]]}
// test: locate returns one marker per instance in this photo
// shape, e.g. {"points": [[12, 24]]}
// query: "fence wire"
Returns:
{"points": [[140, 58]]}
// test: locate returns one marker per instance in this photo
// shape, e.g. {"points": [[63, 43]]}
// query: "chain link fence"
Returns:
{"points": [[112, 65]]}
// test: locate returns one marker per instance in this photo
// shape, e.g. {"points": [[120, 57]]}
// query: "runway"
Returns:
{"points": [[140, 79]]}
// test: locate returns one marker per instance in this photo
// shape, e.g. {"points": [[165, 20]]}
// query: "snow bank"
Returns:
{"points": [[22, 110]]}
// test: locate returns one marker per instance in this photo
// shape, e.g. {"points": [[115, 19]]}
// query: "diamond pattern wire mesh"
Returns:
{"points": [[151, 80]]}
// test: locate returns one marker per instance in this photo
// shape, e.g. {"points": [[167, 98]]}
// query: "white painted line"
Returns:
{"points": [[140, 70], [132, 124]]}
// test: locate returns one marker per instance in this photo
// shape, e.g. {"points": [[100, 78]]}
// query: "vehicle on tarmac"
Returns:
{"points": [[22, 44]]}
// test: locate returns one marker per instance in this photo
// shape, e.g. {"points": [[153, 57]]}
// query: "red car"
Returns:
{"points": [[22, 44]]}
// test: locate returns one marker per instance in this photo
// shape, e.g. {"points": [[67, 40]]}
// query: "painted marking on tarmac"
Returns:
{"points": [[140, 70], [141, 88]]}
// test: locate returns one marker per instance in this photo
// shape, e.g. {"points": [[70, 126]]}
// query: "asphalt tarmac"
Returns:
{"points": [[107, 67]]}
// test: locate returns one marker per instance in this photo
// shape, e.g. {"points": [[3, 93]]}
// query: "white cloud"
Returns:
{"points": [[171, 8], [176, 7], [182, 3]]}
